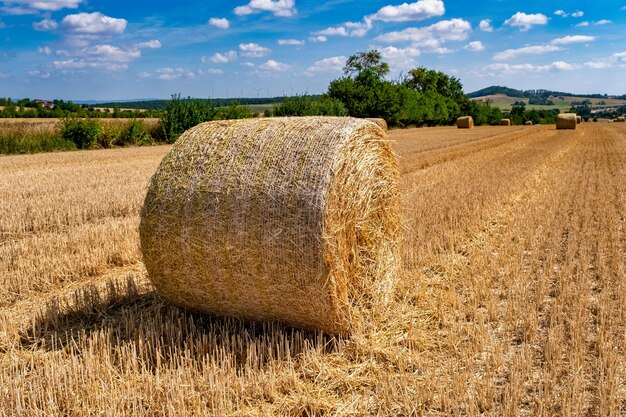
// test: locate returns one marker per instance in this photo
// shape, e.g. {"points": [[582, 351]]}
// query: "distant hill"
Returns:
{"points": [[535, 94]]}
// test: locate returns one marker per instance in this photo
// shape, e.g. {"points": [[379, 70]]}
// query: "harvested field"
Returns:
{"points": [[512, 299]]}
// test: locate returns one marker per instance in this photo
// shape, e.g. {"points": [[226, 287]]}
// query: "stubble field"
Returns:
{"points": [[512, 299]]}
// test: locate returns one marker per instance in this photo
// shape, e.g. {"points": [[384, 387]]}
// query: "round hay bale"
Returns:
{"points": [[621, 119], [579, 120], [505, 122], [566, 121], [529, 123], [289, 219], [382, 123], [465, 122]]}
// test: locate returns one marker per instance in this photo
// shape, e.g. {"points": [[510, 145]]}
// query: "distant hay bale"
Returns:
{"points": [[566, 121], [380, 122], [290, 219], [505, 122], [621, 119], [465, 122], [579, 120], [529, 123]]}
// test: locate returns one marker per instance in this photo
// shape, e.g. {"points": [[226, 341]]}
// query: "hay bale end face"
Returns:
{"points": [[505, 122], [289, 219], [566, 121], [382, 123], [579, 120], [465, 122], [529, 123]]}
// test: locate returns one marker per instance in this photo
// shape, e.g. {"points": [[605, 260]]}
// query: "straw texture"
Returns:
{"points": [[290, 219], [465, 122], [505, 122], [566, 121], [579, 120], [382, 123]]}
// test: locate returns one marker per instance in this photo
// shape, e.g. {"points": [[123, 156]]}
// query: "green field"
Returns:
{"points": [[505, 102]]}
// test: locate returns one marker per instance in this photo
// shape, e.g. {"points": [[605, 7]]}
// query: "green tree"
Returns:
{"points": [[366, 61]]}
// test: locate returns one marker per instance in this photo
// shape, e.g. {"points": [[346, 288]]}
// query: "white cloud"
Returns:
{"points": [[253, 50], [34, 6], [527, 50], [566, 40], [431, 37], [153, 44], [283, 8], [400, 59], [221, 58], [475, 46], [333, 64], [214, 71], [319, 38], [219, 23], [578, 13], [290, 42], [272, 65], [39, 74], [561, 13], [508, 69], [617, 59], [420, 10], [526, 21], [336, 31], [248, 64], [582, 24], [603, 22], [485, 25], [93, 24], [44, 50], [169, 74], [104, 57], [45, 25]]}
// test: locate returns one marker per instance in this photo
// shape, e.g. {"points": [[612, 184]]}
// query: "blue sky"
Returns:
{"points": [[96, 49]]}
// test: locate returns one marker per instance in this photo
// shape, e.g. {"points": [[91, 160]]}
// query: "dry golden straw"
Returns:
{"points": [[380, 122], [290, 219], [566, 121], [505, 122], [579, 120], [465, 122]]}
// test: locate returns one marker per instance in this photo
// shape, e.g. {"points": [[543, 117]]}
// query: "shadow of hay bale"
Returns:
{"points": [[124, 319]]}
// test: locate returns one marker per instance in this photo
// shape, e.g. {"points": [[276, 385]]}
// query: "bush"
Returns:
{"points": [[134, 133], [83, 132], [308, 106], [180, 115], [234, 111]]}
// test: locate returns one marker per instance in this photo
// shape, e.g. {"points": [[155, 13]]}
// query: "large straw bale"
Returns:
{"points": [[290, 219], [380, 122], [579, 120], [566, 121], [465, 122], [528, 123], [505, 122], [621, 119]]}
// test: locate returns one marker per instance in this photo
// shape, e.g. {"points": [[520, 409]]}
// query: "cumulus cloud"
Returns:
{"points": [[219, 23], [221, 58], [431, 37], [272, 65], [168, 74], [566, 40], [526, 21], [475, 46], [400, 58], [214, 71], [282, 8], [332, 31], [104, 57], [603, 22], [485, 25], [582, 24], [253, 50], [578, 13], [615, 60], [508, 69], [561, 13], [333, 64], [44, 50], [420, 10], [39, 74], [45, 25], [153, 44], [318, 38], [35, 6], [527, 50], [95, 24], [290, 42]]}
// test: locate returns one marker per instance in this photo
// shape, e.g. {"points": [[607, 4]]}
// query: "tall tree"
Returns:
{"points": [[366, 61]]}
